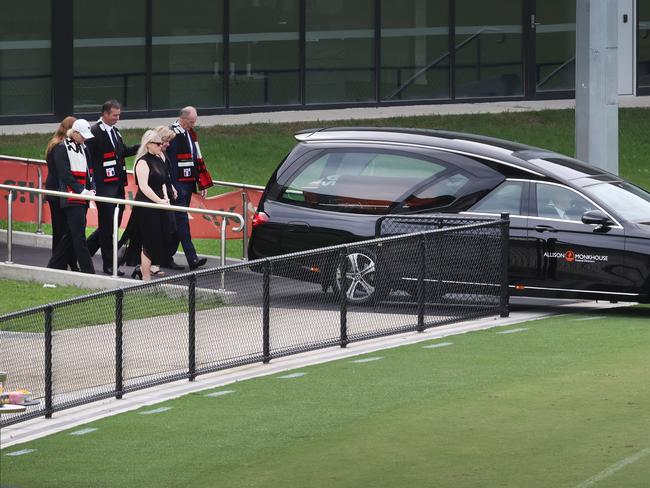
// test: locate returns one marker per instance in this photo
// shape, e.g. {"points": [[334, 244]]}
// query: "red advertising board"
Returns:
{"points": [[25, 207]]}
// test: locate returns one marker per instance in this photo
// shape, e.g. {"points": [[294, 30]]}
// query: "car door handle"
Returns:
{"points": [[545, 228]]}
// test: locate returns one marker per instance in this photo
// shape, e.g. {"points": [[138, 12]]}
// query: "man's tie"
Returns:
{"points": [[113, 138]]}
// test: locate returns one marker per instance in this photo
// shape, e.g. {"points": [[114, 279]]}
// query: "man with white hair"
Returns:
{"points": [[188, 172]]}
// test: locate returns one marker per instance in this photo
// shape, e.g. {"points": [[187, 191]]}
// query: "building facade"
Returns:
{"points": [[61, 57]]}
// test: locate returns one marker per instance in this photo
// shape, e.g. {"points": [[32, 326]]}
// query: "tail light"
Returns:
{"points": [[260, 218]]}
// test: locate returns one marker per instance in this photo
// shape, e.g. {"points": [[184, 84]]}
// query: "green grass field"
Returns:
{"points": [[553, 405]]}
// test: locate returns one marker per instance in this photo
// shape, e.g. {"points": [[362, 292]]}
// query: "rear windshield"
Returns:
{"points": [[361, 182]]}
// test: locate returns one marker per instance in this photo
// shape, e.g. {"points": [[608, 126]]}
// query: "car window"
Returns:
{"points": [[441, 193], [558, 202], [358, 181], [627, 200], [506, 198]]}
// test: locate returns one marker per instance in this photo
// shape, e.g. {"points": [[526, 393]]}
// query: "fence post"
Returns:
{"points": [[10, 218], [266, 313], [422, 247], [343, 266], [191, 353], [504, 303], [119, 351], [49, 408], [244, 197]]}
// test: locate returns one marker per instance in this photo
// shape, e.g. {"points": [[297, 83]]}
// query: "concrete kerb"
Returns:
{"points": [[67, 419]]}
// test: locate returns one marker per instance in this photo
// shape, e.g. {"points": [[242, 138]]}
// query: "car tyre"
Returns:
{"points": [[362, 283]]}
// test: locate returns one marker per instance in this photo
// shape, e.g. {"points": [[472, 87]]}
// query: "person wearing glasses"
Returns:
{"points": [[146, 229]]}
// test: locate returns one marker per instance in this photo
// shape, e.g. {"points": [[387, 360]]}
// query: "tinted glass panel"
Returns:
{"points": [[489, 60], [505, 198], [414, 49], [109, 54], [556, 202], [187, 54], [264, 52], [25, 66], [360, 182], [643, 44], [556, 45], [627, 200], [340, 51]]}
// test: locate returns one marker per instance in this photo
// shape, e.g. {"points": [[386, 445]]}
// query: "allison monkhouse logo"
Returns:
{"points": [[571, 257]]}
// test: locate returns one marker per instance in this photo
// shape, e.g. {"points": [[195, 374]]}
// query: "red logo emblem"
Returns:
{"points": [[570, 256]]}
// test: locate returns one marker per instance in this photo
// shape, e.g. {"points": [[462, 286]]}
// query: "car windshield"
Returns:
{"points": [[629, 201]]}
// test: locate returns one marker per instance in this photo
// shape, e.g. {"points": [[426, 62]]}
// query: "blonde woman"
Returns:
{"points": [[146, 226]]}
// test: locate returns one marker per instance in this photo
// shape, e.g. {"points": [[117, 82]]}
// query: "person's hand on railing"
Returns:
{"points": [[164, 201], [88, 192]]}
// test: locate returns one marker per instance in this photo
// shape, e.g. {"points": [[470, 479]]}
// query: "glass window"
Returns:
{"points": [[25, 58], [340, 51], [489, 58], [627, 200], [187, 54], [359, 182], [264, 52], [506, 198], [109, 54], [643, 44], [557, 202], [414, 49], [555, 36]]}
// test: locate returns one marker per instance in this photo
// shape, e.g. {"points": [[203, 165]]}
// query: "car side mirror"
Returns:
{"points": [[597, 217]]}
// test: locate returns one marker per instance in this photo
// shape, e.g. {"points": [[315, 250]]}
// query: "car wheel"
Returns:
{"points": [[360, 282]]}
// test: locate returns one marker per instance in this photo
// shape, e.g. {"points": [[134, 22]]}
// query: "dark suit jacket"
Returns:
{"points": [[108, 162]]}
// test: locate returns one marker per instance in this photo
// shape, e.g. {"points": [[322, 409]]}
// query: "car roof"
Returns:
{"points": [[531, 159]]}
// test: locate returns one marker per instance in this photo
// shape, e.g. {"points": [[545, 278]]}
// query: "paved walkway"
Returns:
{"points": [[345, 114]]}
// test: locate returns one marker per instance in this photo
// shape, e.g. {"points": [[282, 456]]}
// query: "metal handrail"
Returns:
{"points": [[440, 59], [119, 201], [241, 186], [556, 71]]}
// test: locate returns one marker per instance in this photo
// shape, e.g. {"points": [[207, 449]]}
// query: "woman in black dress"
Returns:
{"points": [[146, 226]]}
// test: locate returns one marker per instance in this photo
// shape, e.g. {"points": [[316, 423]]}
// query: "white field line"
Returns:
{"points": [[513, 331], [21, 452], [367, 360], [614, 468], [219, 393], [156, 410], [291, 376], [436, 346], [83, 431], [589, 318]]}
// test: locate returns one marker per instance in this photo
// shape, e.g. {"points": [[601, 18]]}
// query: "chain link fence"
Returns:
{"points": [[426, 272]]}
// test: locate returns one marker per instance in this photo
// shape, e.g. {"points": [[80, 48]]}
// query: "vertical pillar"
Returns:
{"points": [[597, 83]]}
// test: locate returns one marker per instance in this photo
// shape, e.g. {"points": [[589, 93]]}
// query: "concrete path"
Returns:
{"points": [[343, 114]]}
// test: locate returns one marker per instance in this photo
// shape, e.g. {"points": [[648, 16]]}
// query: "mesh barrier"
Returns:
{"points": [[429, 271]]}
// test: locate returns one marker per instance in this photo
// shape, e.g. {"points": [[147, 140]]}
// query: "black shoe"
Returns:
{"points": [[172, 265], [109, 271], [137, 273], [199, 262]]}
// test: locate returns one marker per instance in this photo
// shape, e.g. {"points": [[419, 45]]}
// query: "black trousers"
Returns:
{"points": [[75, 238], [59, 229], [102, 238], [182, 226]]}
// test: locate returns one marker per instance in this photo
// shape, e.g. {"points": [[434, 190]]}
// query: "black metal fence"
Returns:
{"points": [[110, 343]]}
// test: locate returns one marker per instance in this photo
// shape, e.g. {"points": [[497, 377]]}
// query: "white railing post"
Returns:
{"points": [[116, 228], [10, 202], [39, 211]]}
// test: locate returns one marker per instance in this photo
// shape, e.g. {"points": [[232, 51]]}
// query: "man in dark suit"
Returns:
{"points": [[107, 152], [188, 171]]}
